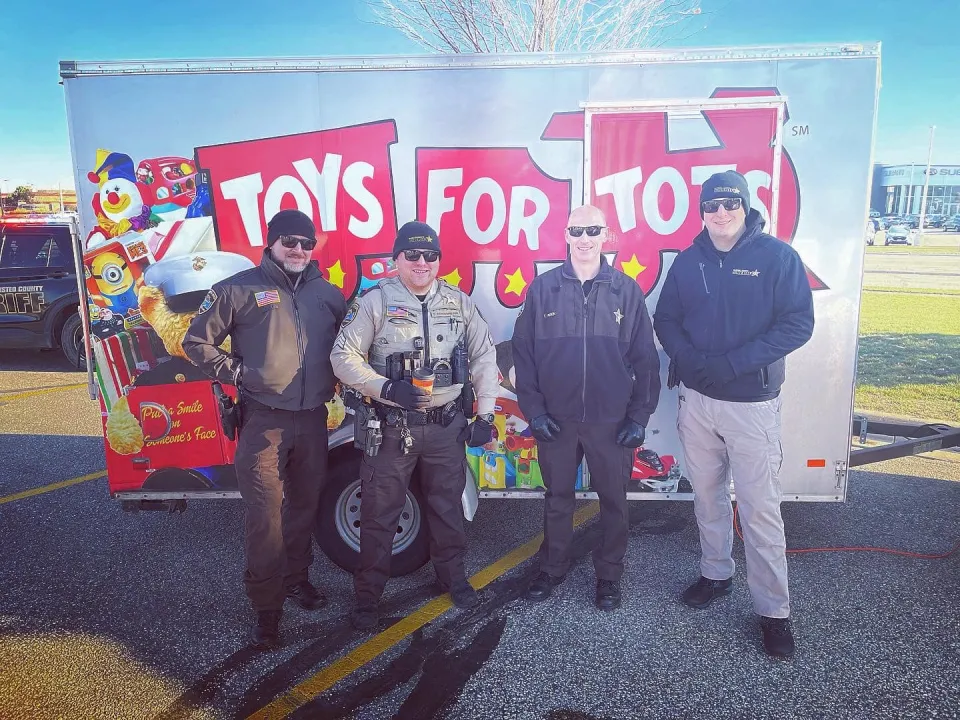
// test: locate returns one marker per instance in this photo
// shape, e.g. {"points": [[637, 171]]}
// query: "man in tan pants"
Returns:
{"points": [[733, 305]]}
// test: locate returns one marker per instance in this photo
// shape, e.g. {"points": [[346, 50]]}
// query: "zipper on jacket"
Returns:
{"points": [[704, 276], [303, 379], [583, 393], [426, 334]]}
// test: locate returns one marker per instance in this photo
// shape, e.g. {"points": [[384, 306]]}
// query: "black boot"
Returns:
{"points": [[307, 596], [464, 596], [266, 633], [365, 617], [608, 594], [542, 586], [704, 591], [777, 637]]}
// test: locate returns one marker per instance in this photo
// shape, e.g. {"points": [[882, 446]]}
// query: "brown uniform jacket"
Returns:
{"points": [[281, 335]]}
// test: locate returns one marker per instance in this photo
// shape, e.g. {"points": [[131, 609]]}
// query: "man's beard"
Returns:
{"points": [[295, 266]]}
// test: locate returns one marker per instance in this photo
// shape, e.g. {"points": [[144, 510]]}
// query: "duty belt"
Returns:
{"points": [[393, 416]]}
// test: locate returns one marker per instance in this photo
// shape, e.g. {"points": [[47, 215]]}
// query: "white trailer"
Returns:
{"points": [[180, 164]]}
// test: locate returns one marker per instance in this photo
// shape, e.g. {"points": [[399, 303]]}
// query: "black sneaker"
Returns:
{"points": [[464, 596], [777, 637], [365, 617], [307, 596], [608, 594], [266, 633], [542, 585], [704, 590]]}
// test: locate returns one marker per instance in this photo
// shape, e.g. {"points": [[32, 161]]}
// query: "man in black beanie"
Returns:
{"points": [[282, 318], [732, 307], [414, 322]]}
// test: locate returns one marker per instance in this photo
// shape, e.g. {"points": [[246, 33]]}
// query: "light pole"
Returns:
{"points": [[926, 181], [1, 195]]}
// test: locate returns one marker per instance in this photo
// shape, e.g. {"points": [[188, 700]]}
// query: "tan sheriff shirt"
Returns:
{"points": [[387, 318]]}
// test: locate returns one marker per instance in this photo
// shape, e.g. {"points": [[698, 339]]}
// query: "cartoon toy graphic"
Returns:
{"points": [[373, 270], [168, 185], [655, 473], [115, 283], [174, 288], [118, 205], [124, 433]]}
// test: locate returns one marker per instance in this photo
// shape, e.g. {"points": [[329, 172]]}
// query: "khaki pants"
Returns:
{"points": [[744, 439]]}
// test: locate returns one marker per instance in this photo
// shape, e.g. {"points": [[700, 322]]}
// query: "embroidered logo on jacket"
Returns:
{"points": [[748, 273], [267, 297]]}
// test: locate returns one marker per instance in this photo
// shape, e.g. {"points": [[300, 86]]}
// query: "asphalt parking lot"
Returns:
{"points": [[112, 615]]}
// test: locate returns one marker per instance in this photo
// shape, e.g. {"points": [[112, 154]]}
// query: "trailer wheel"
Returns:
{"points": [[337, 528], [71, 341]]}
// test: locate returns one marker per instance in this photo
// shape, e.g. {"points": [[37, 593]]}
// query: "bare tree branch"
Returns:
{"points": [[484, 26]]}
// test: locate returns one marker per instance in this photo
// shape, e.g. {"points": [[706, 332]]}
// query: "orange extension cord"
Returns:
{"points": [[905, 553]]}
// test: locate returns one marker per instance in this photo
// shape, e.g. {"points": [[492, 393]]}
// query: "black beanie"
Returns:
{"points": [[415, 236], [724, 185], [290, 222]]}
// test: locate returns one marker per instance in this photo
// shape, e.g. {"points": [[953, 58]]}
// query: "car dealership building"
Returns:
{"points": [[898, 189]]}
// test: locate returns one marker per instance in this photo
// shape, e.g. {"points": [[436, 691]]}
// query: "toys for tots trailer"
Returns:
{"points": [[493, 151]]}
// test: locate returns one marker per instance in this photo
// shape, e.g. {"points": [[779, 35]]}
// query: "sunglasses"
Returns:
{"points": [[428, 255], [291, 241], [592, 230], [729, 204]]}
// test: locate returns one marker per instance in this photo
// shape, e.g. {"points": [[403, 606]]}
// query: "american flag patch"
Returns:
{"points": [[397, 311], [267, 297]]}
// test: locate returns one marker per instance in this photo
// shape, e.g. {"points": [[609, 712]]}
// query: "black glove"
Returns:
{"points": [[691, 363], [405, 394], [716, 372], [477, 433], [631, 434], [544, 428]]}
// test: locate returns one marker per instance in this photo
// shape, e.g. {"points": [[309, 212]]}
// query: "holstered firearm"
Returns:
{"points": [[367, 433], [230, 416]]}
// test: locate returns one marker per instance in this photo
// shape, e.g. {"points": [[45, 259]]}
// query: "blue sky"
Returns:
{"points": [[921, 64]]}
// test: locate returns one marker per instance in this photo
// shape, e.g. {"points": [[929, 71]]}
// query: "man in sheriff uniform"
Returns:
{"points": [[282, 318], [402, 323]]}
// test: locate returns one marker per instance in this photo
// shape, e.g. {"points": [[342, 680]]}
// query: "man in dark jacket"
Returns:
{"points": [[587, 379], [282, 318], [732, 307]]}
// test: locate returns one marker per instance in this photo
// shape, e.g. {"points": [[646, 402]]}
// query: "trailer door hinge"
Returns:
{"points": [[841, 473]]}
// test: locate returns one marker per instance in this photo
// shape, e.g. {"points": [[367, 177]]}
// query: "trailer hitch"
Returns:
{"points": [[916, 438]]}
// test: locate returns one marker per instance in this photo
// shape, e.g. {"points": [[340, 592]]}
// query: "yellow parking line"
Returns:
{"points": [[41, 391], [332, 674], [51, 487]]}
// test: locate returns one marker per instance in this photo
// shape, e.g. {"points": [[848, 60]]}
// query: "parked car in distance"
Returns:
{"points": [[897, 235], [952, 224]]}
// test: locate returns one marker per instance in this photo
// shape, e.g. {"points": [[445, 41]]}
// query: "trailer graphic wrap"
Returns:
{"points": [[494, 157]]}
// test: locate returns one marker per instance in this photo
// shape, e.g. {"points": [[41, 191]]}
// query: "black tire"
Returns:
{"points": [[337, 528], [71, 341]]}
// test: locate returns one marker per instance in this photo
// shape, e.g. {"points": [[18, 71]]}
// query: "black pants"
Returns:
{"points": [[281, 464], [610, 466], [384, 482]]}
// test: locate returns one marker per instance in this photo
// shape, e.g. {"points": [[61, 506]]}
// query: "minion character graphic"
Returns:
{"points": [[115, 282]]}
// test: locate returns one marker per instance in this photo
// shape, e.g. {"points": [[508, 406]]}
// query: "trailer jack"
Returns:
{"points": [[171, 506], [909, 439]]}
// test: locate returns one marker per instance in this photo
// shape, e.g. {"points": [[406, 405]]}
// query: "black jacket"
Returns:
{"points": [[588, 359], [281, 336], [753, 306]]}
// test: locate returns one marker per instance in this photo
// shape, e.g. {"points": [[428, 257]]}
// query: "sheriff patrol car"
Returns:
{"points": [[39, 301]]}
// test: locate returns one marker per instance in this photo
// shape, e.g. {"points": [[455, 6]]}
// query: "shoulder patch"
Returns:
{"points": [[351, 314], [208, 301]]}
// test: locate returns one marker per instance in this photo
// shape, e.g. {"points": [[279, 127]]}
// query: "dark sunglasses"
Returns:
{"points": [[291, 241], [592, 230], [729, 204], [428, 255]]}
